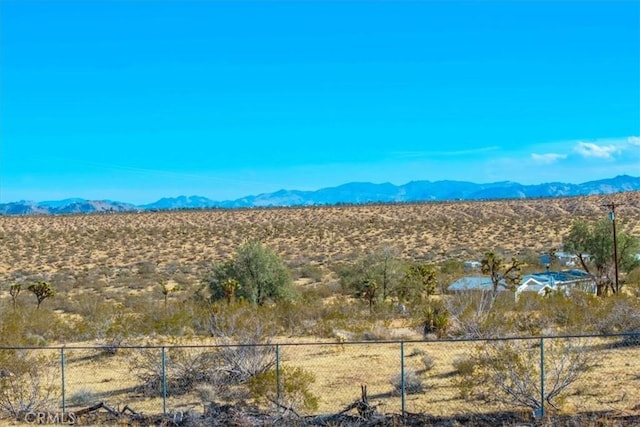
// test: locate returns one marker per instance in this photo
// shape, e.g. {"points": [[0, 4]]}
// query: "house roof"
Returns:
{"points": [[474, 283], [556, 277], [538, 281]]}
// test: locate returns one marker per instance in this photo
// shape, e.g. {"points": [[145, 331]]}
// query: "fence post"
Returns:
{"points": [[64, 403], [278, 373], [164, 382], [541, 376], [402, 384]]}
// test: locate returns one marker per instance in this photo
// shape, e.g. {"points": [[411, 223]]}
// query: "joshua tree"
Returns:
{"points": [[229, 288], [369, 290], [419, 280], [14, 291], [166, 290], [42, 290], [507, 273]]}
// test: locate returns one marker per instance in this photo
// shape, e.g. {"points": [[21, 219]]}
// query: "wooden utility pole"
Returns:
{"points": [[612, 217]]}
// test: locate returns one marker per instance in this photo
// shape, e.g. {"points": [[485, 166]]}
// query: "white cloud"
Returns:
{"points": [[589, 149], [634, 140], [547, 158]]}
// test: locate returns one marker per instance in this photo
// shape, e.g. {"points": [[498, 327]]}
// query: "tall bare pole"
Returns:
{"points": [[612, 217]]}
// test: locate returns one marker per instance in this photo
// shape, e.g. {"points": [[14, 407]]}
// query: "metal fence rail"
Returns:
{"points": [[442, 377]]}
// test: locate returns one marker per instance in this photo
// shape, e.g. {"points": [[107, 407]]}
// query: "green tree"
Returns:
{"points": [[500, 271], [419, 280], [386, 259], [42, 290], [381, 266], [260, 275], [593, 245]]}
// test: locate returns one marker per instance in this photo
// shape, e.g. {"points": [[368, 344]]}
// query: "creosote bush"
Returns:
{"points": [[413, 383], [294, 388], [244, 335], [509, 371], [428, 362], [29, 382], [185, 368]]}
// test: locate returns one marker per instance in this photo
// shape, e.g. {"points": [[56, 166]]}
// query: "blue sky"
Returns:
{"points": [[133, 101]]}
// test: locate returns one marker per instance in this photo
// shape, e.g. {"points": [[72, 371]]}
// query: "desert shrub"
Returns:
{"points": [[185, 368], [377, 332], [294, 388], [244, 335], [83, 397], [413, 383], [632, 282], [470, 314], [380, 266], [32, 327], [28, 381], [322, 291], [299, 316], [451, 267], [174, 320], [528, 323], [340, 313], [428, 362], [509, 371], [435, 319], [308, 271], [14, 291], [631, 338], [574, 313], [464, 365], [618, 314], [416, 351]]}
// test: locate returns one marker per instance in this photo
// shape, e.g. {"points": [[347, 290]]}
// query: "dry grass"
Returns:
{"points": [[131, 251], [340, 369], [122, 256]]}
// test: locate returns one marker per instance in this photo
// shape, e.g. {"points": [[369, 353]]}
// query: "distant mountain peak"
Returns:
{"points": [[348, 193]]}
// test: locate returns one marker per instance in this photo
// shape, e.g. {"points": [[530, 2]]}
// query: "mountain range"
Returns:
{"points": [[351, 193]]}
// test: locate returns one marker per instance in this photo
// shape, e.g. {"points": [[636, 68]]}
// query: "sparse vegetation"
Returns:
{"points": [[413, 384], [292, 392], [374, 272], [27, 383], [510, 371]]}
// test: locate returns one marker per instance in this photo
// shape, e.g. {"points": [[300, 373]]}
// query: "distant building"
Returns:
{"points": [[471, 265], [475, 283], [564, 259], [557, 281]]}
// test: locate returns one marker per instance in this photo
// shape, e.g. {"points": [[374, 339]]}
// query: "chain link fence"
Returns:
{"points": [[443, 378]]}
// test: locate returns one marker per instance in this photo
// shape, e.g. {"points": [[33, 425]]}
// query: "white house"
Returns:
{"points": [[471, 265], [556, 281]]}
